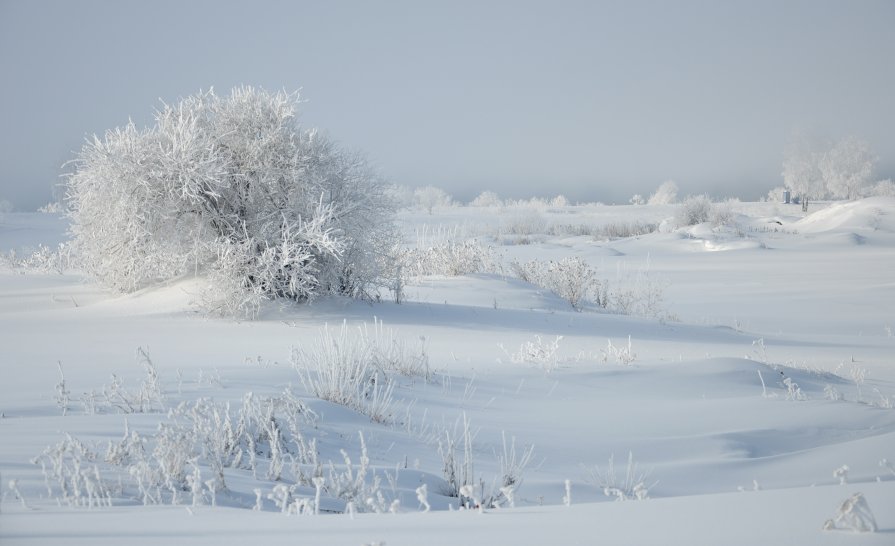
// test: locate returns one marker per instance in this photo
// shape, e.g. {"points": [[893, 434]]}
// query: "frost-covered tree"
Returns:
{"points": [[883, 188], [801, 171], [233, 187], [695, 209], [846, 167], [559, 201], [775, 195], [429, 197], [486, 199], [666, 194]]}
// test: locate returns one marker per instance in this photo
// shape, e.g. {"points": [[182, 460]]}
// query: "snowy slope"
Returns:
{"points": [[783, 303]]}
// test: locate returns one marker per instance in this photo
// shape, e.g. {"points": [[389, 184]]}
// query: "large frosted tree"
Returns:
{"points": [[846, 167], [232, 187], [801, 174]]}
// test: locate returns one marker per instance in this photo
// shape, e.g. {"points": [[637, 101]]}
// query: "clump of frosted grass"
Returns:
{"points": [[622, 354], [538, 352], [352, 367], [632, 485]]}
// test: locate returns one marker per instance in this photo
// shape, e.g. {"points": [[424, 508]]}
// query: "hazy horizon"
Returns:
{"points": [[596, 101]]}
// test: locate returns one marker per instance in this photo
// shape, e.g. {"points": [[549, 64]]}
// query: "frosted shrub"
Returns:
{"points": [[621, 230], [230, 185], [430, 197], [538, 352], [521, 221], [560, 201], [450, 258], [853, 514], [722, 213], [487, 199], [614, 230], [72, 467], [793, 391], [188, 454], [696, 209], [45, 259], [665, 194], [358, 485], [885, 188], [148, 398], [571, 278]]}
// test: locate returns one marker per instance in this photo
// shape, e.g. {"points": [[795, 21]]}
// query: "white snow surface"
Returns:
{"points": [[771, 297]]}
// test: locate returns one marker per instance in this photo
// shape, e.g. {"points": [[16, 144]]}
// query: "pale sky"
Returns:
{"points": [[595, 100]]}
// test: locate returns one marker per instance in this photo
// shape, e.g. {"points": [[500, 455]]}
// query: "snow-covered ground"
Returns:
{"points": [[770, 368]]}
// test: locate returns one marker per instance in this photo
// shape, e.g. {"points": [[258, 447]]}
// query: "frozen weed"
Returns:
{"points": [[342, 369], [538, 352], [623, 354], [631, 485], [457, 473]]}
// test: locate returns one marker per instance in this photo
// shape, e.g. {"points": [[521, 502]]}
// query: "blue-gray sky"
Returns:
{"points": [[596, 100]]}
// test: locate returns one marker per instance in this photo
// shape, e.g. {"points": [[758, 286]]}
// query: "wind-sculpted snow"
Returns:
{"points": [[766, 384]]}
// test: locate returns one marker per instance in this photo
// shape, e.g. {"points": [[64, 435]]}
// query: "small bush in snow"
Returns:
{"points": [[521, 222], [449, 258], [538, 352], [614, 230], [43, 259], [665, 194], [429, 197], [571, 278], [854, 514], [487, 199], [189, 453], [883, 188], [696, 209], [560, 201]]}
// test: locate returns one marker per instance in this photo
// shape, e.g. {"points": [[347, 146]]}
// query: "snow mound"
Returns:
{"points": [[483, 290], [872, 214], [172, 297]]}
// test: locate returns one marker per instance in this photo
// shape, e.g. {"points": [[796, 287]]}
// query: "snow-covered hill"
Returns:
{"points": [[768, 370]]}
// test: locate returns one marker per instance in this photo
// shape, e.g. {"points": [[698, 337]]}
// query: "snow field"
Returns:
{"points": [[801, 305]]}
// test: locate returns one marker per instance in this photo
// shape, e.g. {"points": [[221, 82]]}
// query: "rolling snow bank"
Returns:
{"points": [[865, 216], [750, 420]]}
